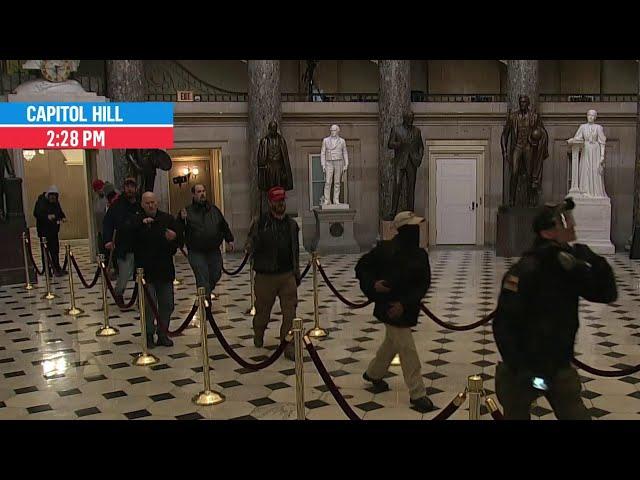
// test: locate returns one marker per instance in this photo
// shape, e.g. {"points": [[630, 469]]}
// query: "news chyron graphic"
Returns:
{"points": [[86, 125]]}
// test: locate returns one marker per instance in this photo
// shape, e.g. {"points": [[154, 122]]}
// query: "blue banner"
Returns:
{"points": [[75, 114]]}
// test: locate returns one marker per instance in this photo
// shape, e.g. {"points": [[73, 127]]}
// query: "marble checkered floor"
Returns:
{"points": [[52, 366]]}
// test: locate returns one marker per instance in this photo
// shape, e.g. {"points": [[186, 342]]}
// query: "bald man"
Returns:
{"points": [[157, 238]]}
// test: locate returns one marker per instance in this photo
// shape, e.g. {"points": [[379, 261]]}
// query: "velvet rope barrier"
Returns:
{"points": [[156, 315], [33, 262], [74, 264], [450, 409], [328, 381], [121, 306], [227, 348], [338, 294], [305, 271], [458, 328], [495, 412], [606, 373], [239, 269]]}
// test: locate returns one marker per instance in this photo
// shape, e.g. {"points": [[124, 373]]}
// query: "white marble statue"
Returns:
{"points": [[335, 161], [591, 165]]}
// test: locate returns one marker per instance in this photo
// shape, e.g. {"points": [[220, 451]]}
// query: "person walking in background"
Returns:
{"points": [[49, 215]]}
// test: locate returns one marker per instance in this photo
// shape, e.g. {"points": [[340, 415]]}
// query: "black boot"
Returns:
{"points": [[379, 386], [165, 341]]}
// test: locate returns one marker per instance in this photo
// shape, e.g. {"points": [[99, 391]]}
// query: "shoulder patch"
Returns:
{"points": [[511, 283]]}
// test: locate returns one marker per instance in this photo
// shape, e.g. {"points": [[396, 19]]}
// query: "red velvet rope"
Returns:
{"points": [[605, 373], [227, 348], [33, 262], [121, 306], [156, 315], [74, 263], [306, 270], [458, 328], [239, 269], [447, 411], [328, 381], [338, 294]]}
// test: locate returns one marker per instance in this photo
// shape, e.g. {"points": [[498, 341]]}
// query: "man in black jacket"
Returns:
{"points": [[205, 228], [537, 317], [273, 242], [49, 214], [157, 236], [396, 275], [119, 222]]}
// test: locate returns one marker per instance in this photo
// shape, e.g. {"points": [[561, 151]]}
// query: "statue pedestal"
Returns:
{"points": [[334, 229], [514, 230], [12, 259], [593, 223], [335, 206], [389, 231]]}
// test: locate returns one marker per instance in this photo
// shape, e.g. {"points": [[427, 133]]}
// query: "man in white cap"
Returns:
{"points": [[49, 214], [396, 275]]}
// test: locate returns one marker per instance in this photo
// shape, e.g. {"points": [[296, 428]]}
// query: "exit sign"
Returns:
{"points": [[185, 96]]}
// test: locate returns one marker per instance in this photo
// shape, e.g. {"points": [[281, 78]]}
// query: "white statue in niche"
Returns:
{"points": [[591, 165], [335, 161]]}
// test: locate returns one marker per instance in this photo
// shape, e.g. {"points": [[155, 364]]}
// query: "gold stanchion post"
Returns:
{"points": [[207, 396], [25, 245], [145, 358], [72, 310], [47, 273], [316, 331], [474, 389], [106, 330], [297, 338], [252, 309]]}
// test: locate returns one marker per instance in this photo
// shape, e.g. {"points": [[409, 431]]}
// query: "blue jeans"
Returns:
{"points": [[207, 268], [126, 267], [162, 295]]}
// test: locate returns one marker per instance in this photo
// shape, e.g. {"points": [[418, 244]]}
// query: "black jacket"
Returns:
{"points": [[537, 315], [205, 227], [42, 210], [262, 245], [406, 270], [121, 217], [152, 250]]}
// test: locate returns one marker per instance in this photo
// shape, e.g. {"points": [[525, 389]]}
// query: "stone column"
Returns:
{"points": [[635, 245], [394, 100], [263, 106], [125, 83], [522, 79]]}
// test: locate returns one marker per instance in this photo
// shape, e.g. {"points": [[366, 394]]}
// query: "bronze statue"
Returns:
{"points": [[144, 163], [5, 164], [524, 145], [274, 168], [406, 141]]}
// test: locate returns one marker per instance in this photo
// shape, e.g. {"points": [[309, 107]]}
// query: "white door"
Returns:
{"points": [[456, 201]]}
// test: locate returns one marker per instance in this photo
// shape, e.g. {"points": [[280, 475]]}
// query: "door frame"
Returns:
{"points": [[452, 149]]}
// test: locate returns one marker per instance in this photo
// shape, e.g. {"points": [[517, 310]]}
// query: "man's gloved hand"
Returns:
{"points": [[571, 263]]}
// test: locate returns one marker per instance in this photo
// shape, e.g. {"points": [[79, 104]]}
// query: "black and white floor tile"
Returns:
{"points": [[52, 366]]}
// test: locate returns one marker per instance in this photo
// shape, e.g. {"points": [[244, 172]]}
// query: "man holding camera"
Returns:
{"points": [[537, 317]]}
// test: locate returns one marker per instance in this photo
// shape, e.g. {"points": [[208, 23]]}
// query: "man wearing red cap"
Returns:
{"points": [[273, 244]]}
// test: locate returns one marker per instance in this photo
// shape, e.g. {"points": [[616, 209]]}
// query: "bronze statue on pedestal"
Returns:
{"points": [[524, 145]]}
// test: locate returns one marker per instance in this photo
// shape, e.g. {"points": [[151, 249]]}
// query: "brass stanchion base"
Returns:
{"points": [[49, 296], [396, 361], [251, 311], [208, 397], [74, 311], [177, 282], [143, 360], [317, 333], [28, 286], [107, 332]]}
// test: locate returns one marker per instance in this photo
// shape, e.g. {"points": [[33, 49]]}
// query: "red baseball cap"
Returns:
{"points": [[276, 194], [97, 185]]}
